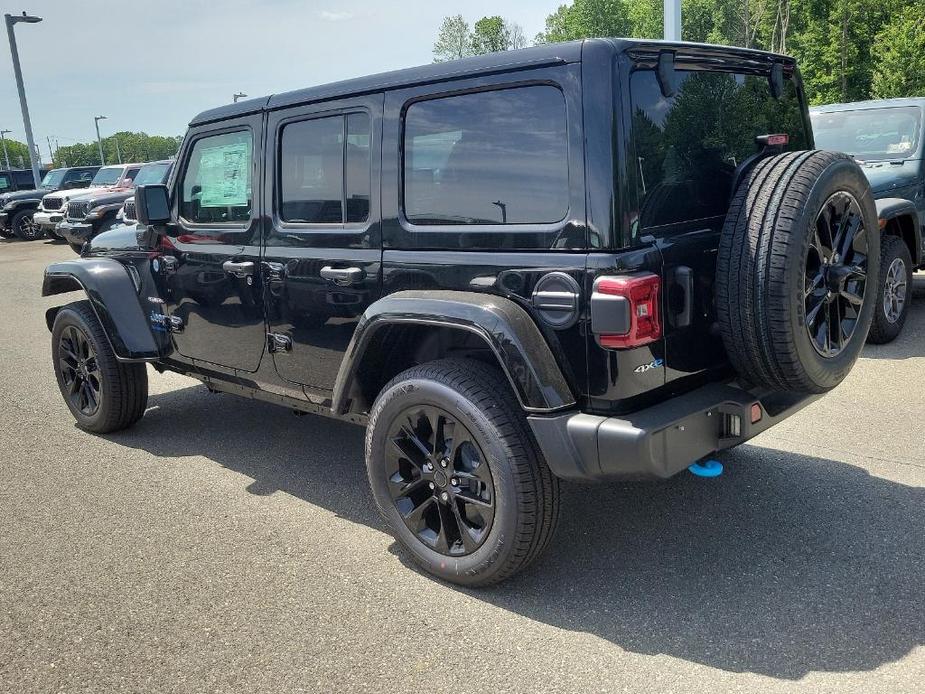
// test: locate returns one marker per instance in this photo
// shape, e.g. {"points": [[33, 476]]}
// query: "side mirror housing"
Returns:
{"points": [[152, 204]]}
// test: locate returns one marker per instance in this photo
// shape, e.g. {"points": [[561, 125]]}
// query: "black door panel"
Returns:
{"points": [[322, 253], [211, 261]]}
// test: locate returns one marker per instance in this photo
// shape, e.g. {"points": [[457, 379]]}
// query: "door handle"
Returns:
{"points": [[241, 269], [343, 275]]}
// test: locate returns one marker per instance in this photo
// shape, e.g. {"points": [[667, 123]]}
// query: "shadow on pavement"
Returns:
{"points": [[785, 565]]}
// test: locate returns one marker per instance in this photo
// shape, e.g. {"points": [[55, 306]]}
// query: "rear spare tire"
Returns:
{"points": [[796, 271]]}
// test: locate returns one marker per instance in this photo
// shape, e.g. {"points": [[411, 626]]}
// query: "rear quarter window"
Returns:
{"points": [[493, 157], [688, 145]]}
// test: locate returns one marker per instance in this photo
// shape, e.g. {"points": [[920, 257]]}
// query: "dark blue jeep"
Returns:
{"points": [[885, 137]]}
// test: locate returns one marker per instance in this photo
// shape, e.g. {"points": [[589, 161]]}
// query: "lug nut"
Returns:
{"points": [[444, 463], [428, 467], [454, 482], [445, 496], [430, 484]]}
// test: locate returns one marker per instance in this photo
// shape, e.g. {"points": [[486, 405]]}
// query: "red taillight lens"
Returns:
{"points": [[642, 292]]}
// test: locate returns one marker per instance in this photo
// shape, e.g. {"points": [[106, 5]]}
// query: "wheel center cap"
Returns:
{"points": [[440, 479]]}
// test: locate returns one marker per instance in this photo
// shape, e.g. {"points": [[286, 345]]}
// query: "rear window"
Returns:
{"points": [[496, 157], [688, 145]]}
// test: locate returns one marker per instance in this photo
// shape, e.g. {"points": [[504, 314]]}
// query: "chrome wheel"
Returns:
{"points": [[79, 370], [835, 274], [894, 290], [439, 481]]}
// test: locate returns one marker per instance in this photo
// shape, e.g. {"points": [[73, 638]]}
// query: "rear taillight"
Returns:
{"points": [[643, 324]]}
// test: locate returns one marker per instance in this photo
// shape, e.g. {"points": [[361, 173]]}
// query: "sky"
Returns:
{"points": [[152, 66]]}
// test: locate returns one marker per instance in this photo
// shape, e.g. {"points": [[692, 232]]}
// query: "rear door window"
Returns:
{"points": [[494, 157], [4, 183], [688, 145]]}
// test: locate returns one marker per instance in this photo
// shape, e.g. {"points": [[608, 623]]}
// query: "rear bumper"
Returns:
{"points": [[661, 440]]}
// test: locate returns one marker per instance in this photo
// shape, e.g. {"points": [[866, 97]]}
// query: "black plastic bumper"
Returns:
{"points": [[661, 440]]}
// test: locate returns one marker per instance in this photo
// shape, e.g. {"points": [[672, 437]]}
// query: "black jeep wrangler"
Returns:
{"points": [[594, 260]]}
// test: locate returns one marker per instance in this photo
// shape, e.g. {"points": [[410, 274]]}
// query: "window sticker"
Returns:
{"points": [[224, 174]]}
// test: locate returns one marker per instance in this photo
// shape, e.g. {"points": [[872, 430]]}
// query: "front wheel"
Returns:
{"points": [[456, 473], [24, 227], [895, 283], [102, 393]]}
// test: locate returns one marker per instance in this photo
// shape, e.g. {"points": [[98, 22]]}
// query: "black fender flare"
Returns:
{"points": [[894, 208], [114, 298], [520, 348]]}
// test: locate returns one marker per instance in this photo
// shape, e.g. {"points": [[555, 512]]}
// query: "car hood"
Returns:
{"points": [[75, 193], [33, 194], [886, 176], [106, 196], [123, 238]]}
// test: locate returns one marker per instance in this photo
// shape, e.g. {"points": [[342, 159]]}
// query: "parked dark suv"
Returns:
{"points": [[887, 137], [18, 179], [17, 208], [594, 260]]}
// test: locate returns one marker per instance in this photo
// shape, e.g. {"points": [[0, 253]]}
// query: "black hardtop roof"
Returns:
{"points": [[523, 59]]}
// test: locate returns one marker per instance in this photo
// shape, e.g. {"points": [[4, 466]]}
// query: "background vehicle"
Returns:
{"points": [[87, 215], [156, 172], [459, 257], [887, 138], [18, 179], [17, 208], [53, 206]]}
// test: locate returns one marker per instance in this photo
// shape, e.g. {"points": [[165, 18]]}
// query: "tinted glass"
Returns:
{"points": [[130, 176], [53, 178], [312, 171], [689, 145], [107, 176], [356, 167], [4, 182], [496, 157], [216, 185], [876, 134], [152, 173]]}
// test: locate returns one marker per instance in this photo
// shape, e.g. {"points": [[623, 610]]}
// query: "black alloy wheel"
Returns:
{"points": [[24, 226], [439, 481], [80, 372], [836, 274]]}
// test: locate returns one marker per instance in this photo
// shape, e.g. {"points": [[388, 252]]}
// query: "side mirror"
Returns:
{"points": [[152, 204]]}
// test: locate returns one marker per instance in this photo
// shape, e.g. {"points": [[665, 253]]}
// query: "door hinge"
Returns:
{"points": [[277, 342]]}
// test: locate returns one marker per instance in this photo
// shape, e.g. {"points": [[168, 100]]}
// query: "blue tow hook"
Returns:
{"points": [[707, 468]]}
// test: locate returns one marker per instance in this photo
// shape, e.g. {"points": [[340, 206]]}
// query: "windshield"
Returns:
{"points": [[107, 176], [53, 178], [152, 173], [874, 134]]}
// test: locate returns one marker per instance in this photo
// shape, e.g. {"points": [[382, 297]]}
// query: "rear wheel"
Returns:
{"points": [[895, 283], [24, 227], [456, 474], [102, 393]]}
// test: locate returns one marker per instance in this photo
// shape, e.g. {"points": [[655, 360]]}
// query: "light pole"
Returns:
{"points": [[239, 95], [30, 143], [6, 155], [672, 20], [99, 141]]}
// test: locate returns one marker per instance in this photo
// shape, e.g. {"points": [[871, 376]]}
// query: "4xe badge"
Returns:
{"points": [[641, 369]]}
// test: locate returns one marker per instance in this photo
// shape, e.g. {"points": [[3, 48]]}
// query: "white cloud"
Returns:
{"points": [[330, 16]]}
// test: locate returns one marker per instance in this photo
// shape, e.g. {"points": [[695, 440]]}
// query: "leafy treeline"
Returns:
{"points": [[133, 147], [847, 49], [488, 35]]}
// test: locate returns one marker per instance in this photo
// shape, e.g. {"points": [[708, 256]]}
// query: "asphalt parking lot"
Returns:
{"points": [[224, 545]]}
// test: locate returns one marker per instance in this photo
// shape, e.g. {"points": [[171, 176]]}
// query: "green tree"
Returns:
{"points": [[134, 147], [585, 19], [489, 35], [18, 152], [899, 51], [453, 40]]}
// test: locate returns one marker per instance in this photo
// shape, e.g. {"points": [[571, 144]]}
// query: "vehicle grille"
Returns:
{"points": [[129, 210], [78, 209], [52, 203]]}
